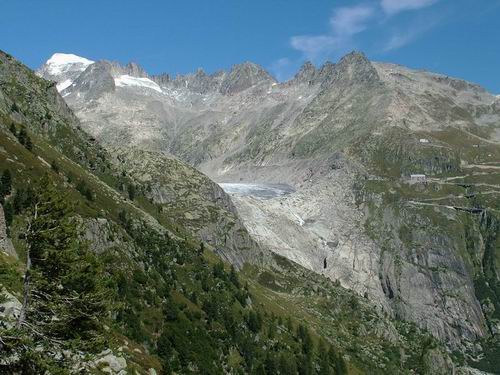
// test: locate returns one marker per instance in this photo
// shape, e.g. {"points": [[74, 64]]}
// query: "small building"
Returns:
{"points": [[424, 140], [418, 178]]}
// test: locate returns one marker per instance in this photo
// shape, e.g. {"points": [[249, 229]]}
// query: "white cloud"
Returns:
{"points": [[348, 21], [314, 46], [344, 23], [411, 33], [351, 20], [392, 7], [399, 40]]}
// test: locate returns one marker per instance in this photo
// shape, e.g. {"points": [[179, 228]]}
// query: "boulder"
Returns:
{"points": [[9, 309], [112, 364]]}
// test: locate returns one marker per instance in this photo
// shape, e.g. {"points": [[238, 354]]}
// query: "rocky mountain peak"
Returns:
{"points": [[306, 73], [63, 68], [325, 72], [354, 57], [200, 73], [198, 82], [201, 82], [355, 68], [162, 79], [135, 70], [243, 76], [61, 62], [95, 80]]}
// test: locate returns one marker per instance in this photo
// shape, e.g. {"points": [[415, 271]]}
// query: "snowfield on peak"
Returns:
{"points": [[126, 80], [61, 62]]}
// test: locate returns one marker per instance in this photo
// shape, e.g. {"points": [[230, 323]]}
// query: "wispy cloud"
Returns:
{"points": [[392, 7], [412, 31], [314, 46], [346, 22]]}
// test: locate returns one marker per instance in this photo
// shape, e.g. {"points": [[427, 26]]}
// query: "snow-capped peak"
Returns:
{"points": [[62, 62], [67, 58]]}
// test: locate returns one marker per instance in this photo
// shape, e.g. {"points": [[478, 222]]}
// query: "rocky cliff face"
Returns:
{"points": [[347, 136], [192, 201], [5, 242]]}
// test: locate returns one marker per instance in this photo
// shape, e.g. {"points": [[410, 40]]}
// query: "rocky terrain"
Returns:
{"points": [[120, 251], [190, 200], [5, 242], [347, 137]]}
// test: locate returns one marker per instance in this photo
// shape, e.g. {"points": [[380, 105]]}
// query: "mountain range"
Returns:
{"points": [[345, 136], [358, 198]]}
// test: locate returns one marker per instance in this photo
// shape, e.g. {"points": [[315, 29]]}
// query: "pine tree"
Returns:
{"points": [[8, 211], [305, 337], [201, 250], [233, 277], [64, 294], [323, 359], [5, 183], [254, 321], [28, 144], [338, 362], [55, 166], [84, 190], [131, 192], [287, 364], [21, 136], [13, 129]]}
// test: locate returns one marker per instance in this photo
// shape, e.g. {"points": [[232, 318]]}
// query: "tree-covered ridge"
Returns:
{"points": [[64, 296], [205, 318]]}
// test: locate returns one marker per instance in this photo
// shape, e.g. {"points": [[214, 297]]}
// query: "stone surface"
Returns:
{"points": [[112, 364], [9, 310], [5, 242]]}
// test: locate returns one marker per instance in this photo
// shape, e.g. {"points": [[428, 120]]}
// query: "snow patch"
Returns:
{"points": [[63, 62], [64, 85], [126, 80], [263, 191]]}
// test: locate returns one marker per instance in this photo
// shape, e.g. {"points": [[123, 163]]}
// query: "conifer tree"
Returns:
{"points": [[64, 295], [5, 183], [13, 129], [21, 136]]}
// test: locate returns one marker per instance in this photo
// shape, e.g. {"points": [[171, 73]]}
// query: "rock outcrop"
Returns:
{"points": [[9, 309], [192, 200], [5, 242]]}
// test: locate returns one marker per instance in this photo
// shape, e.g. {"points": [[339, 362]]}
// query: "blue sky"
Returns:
{"points": [[459, 38]]}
